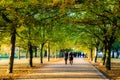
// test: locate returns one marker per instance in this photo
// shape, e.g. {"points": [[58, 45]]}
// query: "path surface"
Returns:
{"points": [[80, 70]]}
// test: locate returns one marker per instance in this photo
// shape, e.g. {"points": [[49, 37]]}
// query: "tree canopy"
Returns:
{"points": [[63, 23]]}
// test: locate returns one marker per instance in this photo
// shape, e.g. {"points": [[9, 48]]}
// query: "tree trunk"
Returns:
{"points": [[41, 53], [0, 47], [35, 51], [48, 52], [113, 53], [91, 55], [19, 53], [108, 61], [117, 56], [31, 54], [104, 55], [27, 53], [96, 54], [11, 62]]}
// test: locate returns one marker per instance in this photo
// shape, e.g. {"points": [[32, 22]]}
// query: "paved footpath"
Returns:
{"points": [[80, 70]]}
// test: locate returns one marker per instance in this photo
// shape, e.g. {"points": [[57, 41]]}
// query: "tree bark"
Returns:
{"points": [[31, 54], [11, 62]]}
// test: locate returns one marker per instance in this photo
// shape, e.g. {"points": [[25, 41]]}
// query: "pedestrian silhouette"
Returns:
{"points": [[66, 57], [71, 58]]}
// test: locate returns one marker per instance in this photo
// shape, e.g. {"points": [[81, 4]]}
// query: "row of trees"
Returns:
{"points": [[101, 23], [32, 23], [59, 23]]}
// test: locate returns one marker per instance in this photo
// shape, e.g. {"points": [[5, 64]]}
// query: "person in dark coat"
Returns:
{"points": [[66, 57], [71, 58]]}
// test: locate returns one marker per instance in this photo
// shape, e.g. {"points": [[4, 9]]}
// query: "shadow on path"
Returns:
{"points": [[80, 70]]}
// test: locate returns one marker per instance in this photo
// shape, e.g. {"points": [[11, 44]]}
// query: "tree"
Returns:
{"points": [[106, 20], [12, 27]]}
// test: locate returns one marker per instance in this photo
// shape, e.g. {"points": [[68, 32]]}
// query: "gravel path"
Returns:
{"points": [[80, 70]]}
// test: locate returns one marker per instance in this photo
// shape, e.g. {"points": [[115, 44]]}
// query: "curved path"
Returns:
{"points": [[80, 70]]}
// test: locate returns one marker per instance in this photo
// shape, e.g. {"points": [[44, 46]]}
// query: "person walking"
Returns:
{"points": [[71, 58], [66, 57]]}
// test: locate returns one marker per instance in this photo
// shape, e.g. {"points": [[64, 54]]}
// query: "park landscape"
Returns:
{"points": [[36, 31]]}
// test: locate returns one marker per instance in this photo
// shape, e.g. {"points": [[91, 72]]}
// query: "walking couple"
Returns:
{"points": [[68, 55]]}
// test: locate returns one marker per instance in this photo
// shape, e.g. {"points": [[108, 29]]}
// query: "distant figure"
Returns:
{"points": [[80, 54], [71, 58], [66, 57]]}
